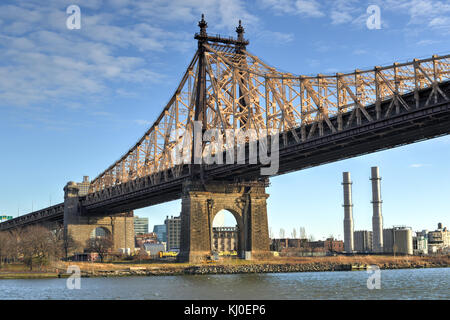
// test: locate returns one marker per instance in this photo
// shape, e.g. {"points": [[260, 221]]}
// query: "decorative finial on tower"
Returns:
{"points": [[203, 25], [240, 32]]}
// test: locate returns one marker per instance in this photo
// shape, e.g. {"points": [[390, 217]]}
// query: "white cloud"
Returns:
{"points": [[119, 41], [429, 13], [309, 8], [45, 62], [418, 165], [359, 51], [304, 8], [339, 17], [440, 22], [143, 122], [426, 42], [277, 37]]}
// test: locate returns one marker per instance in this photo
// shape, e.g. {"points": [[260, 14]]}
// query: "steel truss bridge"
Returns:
{"points": [[319, 119]]}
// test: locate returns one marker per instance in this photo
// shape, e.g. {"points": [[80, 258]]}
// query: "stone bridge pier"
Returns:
{"points": [[81, 227], [202, 201]]}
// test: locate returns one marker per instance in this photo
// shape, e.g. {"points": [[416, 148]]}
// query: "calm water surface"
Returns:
{"points": [[395, 284]]}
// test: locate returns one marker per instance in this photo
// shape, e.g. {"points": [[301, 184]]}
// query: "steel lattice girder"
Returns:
{"points": [[242, 92]]}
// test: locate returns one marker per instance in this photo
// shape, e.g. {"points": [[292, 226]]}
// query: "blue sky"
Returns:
{"points": [[73, 101]]}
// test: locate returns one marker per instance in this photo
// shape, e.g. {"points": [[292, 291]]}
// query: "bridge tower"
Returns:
{"points": [[82, 226], [202, 199]]}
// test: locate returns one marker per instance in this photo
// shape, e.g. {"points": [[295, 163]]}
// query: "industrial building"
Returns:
{"points": [[348, 213], [329, 245], [377, 218], [363, 241], [303, 247], [366, 242], [439, 240], [398, 240], [173, 227], [420, 242], [140, 225], [153, 249]]}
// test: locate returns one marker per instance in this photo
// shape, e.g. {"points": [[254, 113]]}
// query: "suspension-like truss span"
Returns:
{"points": [[242, 92]]}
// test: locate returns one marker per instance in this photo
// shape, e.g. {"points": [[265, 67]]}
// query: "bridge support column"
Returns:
{"points": [[200, 204], [80, 227]]}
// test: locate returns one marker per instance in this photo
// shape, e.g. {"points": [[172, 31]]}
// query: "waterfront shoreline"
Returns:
{"points": [[284, 265], [244, 269]]}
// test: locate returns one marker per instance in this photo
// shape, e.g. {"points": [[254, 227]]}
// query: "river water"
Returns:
{"points": [[395, 284]]}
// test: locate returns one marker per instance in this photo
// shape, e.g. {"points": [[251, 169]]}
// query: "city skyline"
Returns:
{"points": [[68, 122]]}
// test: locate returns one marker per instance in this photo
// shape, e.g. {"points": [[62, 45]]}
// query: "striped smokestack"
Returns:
{"points": [[377, 218], [348, 215]]}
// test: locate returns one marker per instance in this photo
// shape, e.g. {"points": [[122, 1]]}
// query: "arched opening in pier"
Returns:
{"points": [[100, 232], [226, 234]]}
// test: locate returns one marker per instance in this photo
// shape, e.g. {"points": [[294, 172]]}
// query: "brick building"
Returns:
{"points": [[329, 245], [225, 239]]}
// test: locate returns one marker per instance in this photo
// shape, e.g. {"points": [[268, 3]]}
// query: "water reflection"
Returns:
{"points": [[395, 284]]}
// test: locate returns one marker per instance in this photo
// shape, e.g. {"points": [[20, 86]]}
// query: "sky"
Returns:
{"points": [[73, 101]]}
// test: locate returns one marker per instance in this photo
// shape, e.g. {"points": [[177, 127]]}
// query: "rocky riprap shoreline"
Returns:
{"points": [[247, 268]]}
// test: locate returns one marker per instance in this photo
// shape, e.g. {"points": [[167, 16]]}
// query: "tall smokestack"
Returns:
{"points": [[348, 215], [377, 218]]}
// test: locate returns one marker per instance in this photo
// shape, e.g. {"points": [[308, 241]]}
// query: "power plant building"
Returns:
{"points": [[398, 240], [439, 239], [420, 242], [363, 241], [348, 213], [377, 218]]}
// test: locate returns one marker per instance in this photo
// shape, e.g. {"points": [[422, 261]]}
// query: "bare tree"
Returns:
{"points": [[142, 254], [65, 243], [282, 233], [303, 233], [294, 233], [4, 246], [100, 245], [15, 237], [37, 246]]}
